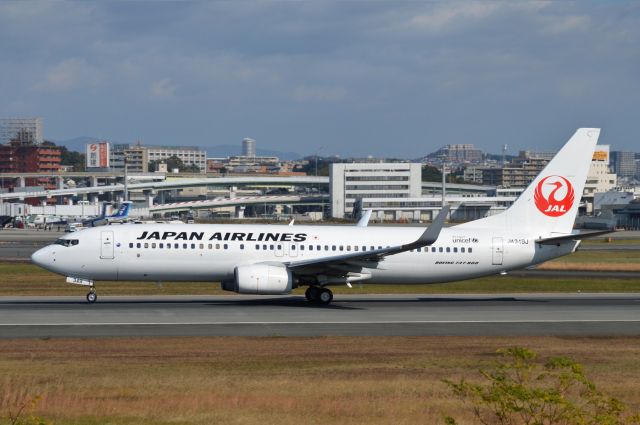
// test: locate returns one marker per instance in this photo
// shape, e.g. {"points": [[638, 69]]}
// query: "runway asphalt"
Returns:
{"points": [[365, 315]]}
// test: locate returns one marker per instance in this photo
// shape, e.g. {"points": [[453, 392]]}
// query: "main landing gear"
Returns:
{"points": [[92, 296], [318, 295]]}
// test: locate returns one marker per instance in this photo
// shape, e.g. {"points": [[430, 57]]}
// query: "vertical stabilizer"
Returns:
{"points": [[549, 205]]}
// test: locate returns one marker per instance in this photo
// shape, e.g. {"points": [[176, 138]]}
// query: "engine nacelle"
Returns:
{"points": [[261, 279]]}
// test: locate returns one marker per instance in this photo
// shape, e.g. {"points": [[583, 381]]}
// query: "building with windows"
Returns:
{"points": [[26, 157], [388, 183], [189, 155], [623, 164], [25, 129], [137, 158], [600, 179]]}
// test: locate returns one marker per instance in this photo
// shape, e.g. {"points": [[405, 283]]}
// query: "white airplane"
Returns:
{"points": [[274, 259]]}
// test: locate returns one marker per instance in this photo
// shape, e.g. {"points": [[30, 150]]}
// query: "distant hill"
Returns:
{"points": [[78, 144]]}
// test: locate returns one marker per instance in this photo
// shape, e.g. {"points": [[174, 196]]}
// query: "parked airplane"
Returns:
{"points": [[119, 216], [274, 259]]}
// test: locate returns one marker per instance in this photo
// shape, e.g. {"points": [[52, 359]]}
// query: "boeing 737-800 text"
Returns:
{"points": [[274, 259]]}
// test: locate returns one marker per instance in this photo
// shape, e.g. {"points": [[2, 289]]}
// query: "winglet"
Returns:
{"points": [[431, 234], [364, 220]]}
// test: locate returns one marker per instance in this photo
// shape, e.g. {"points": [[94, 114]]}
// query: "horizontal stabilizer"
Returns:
{"points": [[574, 237]]}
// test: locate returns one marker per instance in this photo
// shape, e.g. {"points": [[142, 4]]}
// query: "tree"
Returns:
{"points": [[520, 389], [431, 174]]}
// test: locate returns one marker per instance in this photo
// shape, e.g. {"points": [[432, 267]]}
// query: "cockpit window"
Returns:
{"points": [[66, 242]]}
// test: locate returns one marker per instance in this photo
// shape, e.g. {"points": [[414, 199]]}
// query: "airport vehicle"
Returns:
{"points": [[118, 217], [274, 259]]}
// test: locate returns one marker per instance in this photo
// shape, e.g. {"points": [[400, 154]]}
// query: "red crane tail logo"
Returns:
{"points": [[554, 196]]}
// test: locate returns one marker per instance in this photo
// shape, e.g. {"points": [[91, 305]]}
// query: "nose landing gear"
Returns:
{"points": [[318, 295], [92, 296]]}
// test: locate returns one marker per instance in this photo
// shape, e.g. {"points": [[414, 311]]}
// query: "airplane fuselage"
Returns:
{"points": [[207, 252]]}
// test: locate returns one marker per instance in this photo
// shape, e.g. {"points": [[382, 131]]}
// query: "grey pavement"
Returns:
{"points": [[366, 315]]}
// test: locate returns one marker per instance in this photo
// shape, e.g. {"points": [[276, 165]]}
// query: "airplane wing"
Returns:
{"points": [[369, 259]]}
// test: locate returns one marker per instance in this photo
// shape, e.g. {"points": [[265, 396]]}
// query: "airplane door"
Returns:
{"points": [[279, 250], [106, 244], [293, 250], [498, 250]]}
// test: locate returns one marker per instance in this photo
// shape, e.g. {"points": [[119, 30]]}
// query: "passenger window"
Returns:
{"points": [[455, 249], [318, 248], [373, 248], [333, 248], [153, 245], [293, 247], [161, 245], [469, 250], [168, 246], [348, 247], [326, 247], [257, 247], [419, 249], [130, 244], [217, 246], [193, 246], [146, 245], [341, 248], [433, 249], [176, 245], [265, 247], [138, 245], [226, 246], [210, 246], [310, 247], [271, 247], [185, 245], [462, 249], [201, 246], [356, 247], [440, 249], [301, 247]]}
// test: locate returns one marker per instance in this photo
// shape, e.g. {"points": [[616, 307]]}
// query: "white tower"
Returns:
{"points": [[248, 147]]}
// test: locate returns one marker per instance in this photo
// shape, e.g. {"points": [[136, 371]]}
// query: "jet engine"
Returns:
{"points": [[261, 279]]}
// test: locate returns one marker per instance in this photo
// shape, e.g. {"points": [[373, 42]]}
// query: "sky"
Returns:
{"points": [[349, 78]]}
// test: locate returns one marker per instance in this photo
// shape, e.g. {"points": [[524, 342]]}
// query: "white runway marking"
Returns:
{"points": [[391, 322]]}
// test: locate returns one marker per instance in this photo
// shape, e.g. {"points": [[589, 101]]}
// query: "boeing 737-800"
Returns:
{"points": [[274, 259]]}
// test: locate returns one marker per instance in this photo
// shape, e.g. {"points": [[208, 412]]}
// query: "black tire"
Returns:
{"points": [[325, 296], [92, 297], [312, 293]]}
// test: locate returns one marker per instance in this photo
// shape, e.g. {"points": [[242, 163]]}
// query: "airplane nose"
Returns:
{"points": [[39, 257]]}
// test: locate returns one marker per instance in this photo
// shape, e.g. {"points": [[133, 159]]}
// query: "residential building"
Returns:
{"points": [[20, 156], [137, 158]]}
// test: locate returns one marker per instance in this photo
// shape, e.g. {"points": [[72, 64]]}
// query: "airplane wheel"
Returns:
{"points": [[325, 297], [312, 293], [92, 297]]}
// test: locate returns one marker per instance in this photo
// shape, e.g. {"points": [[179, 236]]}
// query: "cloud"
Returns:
{"points": [[69, 74], [162, 89]]}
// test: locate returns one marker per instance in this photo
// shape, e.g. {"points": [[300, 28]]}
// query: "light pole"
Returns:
{"points": [[126, 180], [444, 179], [318, 151]]}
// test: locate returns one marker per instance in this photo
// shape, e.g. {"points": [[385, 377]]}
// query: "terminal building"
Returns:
{"points": [[381, 185]]}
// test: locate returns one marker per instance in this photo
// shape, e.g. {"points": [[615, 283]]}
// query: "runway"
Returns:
{"points": [[363, 315]]}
